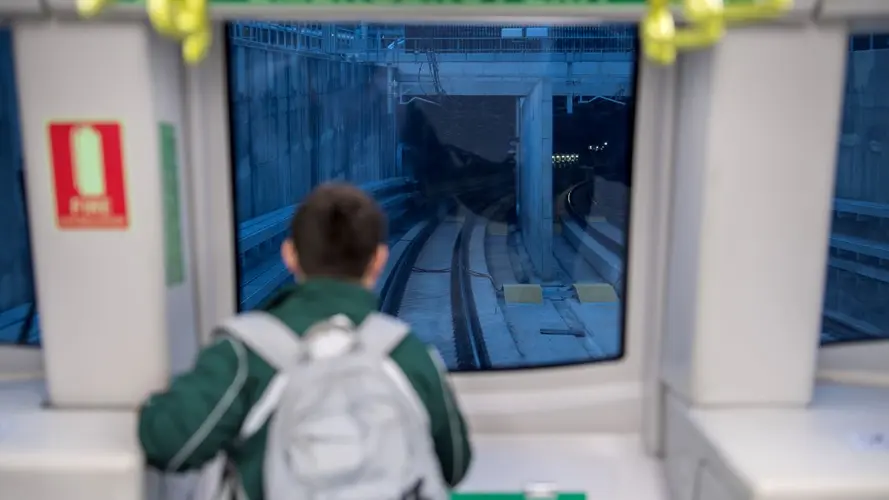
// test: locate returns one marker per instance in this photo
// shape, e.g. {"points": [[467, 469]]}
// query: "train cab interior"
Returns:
{"points": [[650, 277]]}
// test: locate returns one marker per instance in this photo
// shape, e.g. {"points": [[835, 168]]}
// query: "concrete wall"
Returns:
{"points": [[300, 120], [613, 202], [536, 176], [482, 125]]}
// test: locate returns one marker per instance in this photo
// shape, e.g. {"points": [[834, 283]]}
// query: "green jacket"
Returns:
{"points": [[202, 412]]}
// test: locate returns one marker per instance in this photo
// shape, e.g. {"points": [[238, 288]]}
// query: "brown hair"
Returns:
{"points": [[336, 231]]}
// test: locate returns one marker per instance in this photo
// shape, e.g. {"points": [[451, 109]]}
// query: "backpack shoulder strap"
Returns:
{"points": [[381, 333], [266, 335]]}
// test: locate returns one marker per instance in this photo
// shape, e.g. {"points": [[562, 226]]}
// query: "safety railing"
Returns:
{"points": [[475, 39], [376, 42], [305, 37]]}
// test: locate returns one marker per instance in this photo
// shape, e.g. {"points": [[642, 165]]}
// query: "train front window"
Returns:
{"points": [[18, 313], [857, 291], [501, 155]]}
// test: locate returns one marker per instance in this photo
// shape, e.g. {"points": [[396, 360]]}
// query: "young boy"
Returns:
{"points": [[337, 251]]}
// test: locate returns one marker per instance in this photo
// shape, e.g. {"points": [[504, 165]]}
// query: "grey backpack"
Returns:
{"points": [[344, 420]]}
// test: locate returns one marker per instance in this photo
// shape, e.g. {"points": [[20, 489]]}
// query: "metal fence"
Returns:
{"points": [[312, 38], [858, 274], [862, 165], [16, 282], [514, 38], [368, 42], [863, 156]]}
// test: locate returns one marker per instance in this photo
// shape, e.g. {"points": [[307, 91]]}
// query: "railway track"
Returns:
{"points": [[579, 203], [469, 337], [466, 348], [392, 293]]}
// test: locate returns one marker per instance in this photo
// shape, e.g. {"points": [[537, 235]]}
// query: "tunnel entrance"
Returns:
{"points": [[590, 138], [446, 138]]}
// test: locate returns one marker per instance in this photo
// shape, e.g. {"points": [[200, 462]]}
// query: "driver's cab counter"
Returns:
{"points": [[94, 455], [823, 452], [814, 453], [71, 455]]}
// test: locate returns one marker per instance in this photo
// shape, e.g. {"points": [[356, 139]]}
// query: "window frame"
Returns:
{"points": [[509, 400], [864, 362], [860, 363], [20, 361]]}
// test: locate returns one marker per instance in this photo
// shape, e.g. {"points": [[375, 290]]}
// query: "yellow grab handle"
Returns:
{"points": [[184, 20], [752, 10], [192, 17], [707, 24], [193, 20], [700, 35], [162, 14], [89, 8], [702, 10], [177, 18], [196, 46], [661, 39], [762, 9], [659, 34]]}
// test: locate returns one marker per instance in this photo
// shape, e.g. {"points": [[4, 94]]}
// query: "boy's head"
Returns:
{"points": [[338, 232]]}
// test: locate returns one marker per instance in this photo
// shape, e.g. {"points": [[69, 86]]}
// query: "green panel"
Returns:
{"points": [[511, 496], [538, 3], [174, 260], [487, 3]]}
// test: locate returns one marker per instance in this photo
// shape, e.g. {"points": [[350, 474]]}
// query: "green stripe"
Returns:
{"points": [[512, 496], [260, 3]]}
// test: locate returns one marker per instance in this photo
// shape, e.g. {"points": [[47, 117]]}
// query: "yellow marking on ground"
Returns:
{"points": [[523, 293], [595, 292]]}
